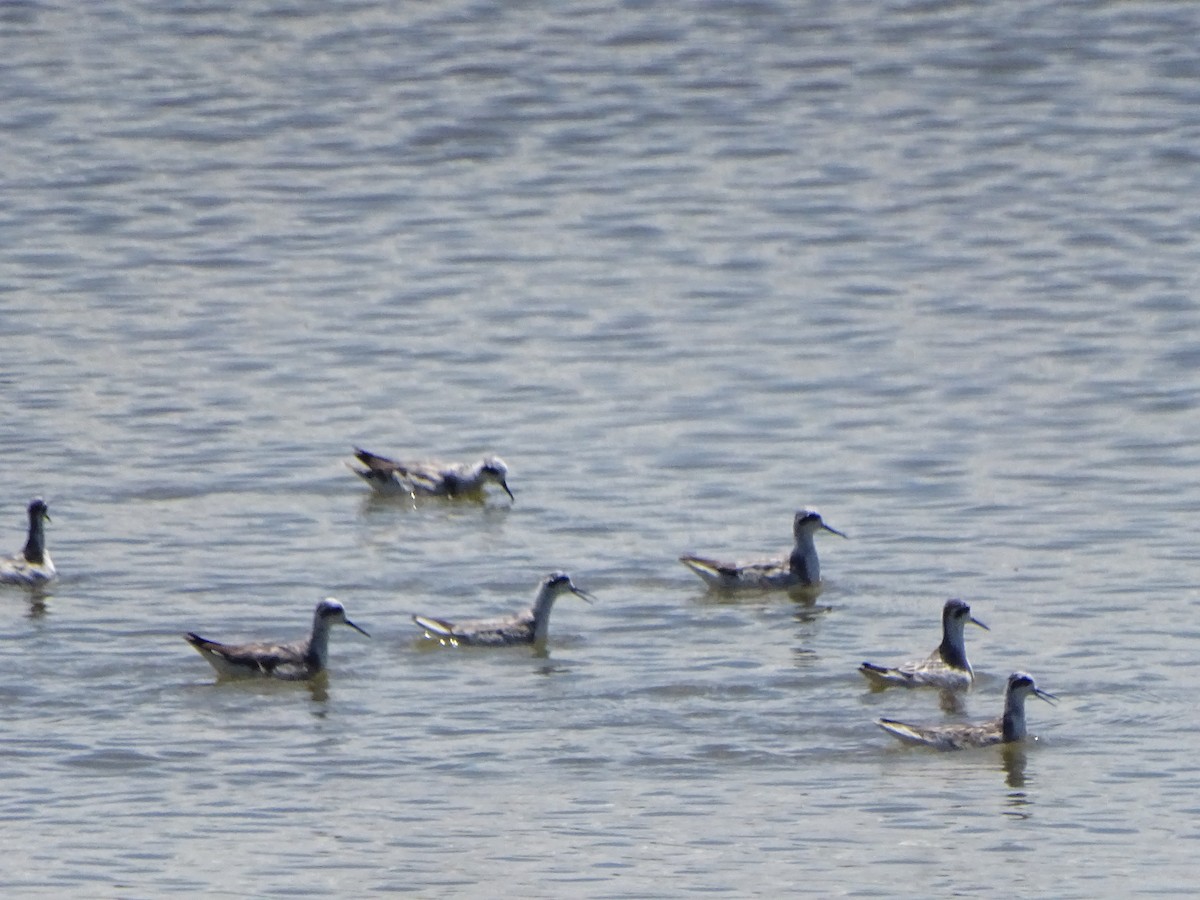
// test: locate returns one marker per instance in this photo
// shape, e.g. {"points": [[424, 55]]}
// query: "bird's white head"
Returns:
{"points": [[557, 582], [494, 468], [331, 612], [1021, 684], [809, 521]]}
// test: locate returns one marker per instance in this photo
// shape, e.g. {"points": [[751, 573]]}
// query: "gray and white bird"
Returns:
{"points": [[1007, 728], [32, 566], [292, 661], [946, 667], [800, 569], [431, 478], [531, 626]]}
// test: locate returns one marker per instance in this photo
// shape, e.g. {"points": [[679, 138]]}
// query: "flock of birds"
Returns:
{"points": [[946, 668]]}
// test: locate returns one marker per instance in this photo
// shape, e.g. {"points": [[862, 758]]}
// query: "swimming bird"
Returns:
{"points": [[946, 667], [528, 627], [956, 736], [32, 566], [294, 661], [801, 569], [431, 478]]}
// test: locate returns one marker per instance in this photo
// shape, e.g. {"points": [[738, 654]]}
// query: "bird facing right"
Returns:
{"points": [[1009, 727], [291, 661], [800, 569], [32, 566], [430, 478], [530, 626], [946, 667]]}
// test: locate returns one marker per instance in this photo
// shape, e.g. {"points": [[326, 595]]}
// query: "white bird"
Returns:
{"points": [[1007, 728], [431, 478], [800, 569], [946, 667], [528, 627], [32, 566], [294, 661]]}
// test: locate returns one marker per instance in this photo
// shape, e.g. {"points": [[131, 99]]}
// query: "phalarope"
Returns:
{"points": [[434, 479], [798, 570], [528, 627], [294, 661], [1006, 729], [32, 566], [946, 667]]}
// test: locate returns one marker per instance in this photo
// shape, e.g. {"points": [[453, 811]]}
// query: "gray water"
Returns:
{"points": [[928, 266]]}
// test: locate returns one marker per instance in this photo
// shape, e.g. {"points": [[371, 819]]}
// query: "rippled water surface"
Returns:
{"points": [[928, 266]]}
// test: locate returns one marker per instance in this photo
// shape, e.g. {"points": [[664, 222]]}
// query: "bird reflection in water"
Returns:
{"points": [[1013, 759], [318, 688], [952, 702]]}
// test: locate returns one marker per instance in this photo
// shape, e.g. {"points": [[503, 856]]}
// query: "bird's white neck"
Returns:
{"points": [[541, 613], [953, 649], [803, 561], [318, 645], [1014, 719]]}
